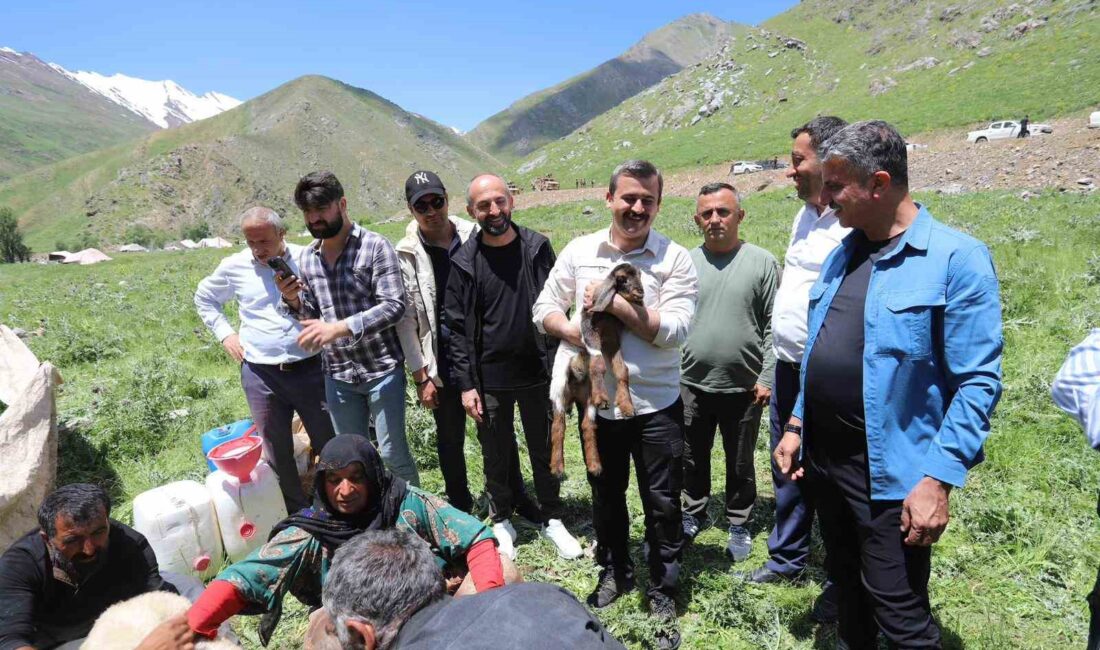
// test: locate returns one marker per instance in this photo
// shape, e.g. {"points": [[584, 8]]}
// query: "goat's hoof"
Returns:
{"points": [[595, 469]]}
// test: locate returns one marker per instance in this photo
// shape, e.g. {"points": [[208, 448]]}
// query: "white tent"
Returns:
{"points": [[188, 244], [173, 247], [58, 256], [87, 256], [214, 242], [132, 248]]}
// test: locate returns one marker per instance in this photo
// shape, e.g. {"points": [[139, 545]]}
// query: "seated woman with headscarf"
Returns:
{"points": [[353, 493]]}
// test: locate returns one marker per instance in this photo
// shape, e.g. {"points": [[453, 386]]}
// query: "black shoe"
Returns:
{"points": [[608, 589], [692, 525], [765, 576], [824, 610], [663, 609]]}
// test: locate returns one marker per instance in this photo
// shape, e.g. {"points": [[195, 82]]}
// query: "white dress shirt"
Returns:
{"points": [[1076, 389], [671, 289], [267, 336], [813, 237]]}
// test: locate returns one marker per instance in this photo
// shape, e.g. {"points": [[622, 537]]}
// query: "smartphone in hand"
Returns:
{"points": [[281, 268]]}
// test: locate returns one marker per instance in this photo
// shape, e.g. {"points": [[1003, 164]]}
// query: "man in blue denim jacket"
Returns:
{"points": [[902, 371]]}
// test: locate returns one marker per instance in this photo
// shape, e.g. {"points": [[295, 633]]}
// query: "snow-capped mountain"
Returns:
{"points": [[164, 103]]}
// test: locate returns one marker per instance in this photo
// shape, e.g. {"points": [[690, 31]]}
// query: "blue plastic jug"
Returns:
{"points": [[225, 433]]}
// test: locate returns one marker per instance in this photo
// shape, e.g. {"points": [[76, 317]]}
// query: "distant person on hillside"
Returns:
{"points": [[432, 238], [727, 364], [814, 234], [500, 360], [279, 376], [350, 298], [55, 581], [353, 493], [651, 340], [1023, 133], [1076, 390], [384, 591], [902, 371]]}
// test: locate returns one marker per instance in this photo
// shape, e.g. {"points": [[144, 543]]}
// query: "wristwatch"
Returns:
{"points": [[793, 428]]}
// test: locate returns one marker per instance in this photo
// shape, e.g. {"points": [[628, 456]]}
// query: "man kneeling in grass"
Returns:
{"points": [[386, 591]]}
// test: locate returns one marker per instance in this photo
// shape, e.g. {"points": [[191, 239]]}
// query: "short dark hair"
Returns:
{"points": [[821, 128], [869, 147], [317, 190], [381, 577], [639, 169], [80, 503], [714, 188]]}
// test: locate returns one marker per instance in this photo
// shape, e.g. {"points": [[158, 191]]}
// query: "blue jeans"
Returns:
{"points": [[354, 406]]}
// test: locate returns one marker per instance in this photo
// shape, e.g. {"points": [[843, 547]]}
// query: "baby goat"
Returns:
{"points": [[578, 376]]}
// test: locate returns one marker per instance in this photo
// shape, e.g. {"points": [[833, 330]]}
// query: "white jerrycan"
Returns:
{"points": [[179, 522], [246, 510]]}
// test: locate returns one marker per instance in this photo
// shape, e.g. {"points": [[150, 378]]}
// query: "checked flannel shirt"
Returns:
{"points": [[365, 290]]}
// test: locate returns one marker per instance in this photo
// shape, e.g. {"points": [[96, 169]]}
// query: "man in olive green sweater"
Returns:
{"points": [[727, 363]]}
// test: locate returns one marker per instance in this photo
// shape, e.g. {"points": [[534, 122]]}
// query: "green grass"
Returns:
{"points": [[1011, 571]]}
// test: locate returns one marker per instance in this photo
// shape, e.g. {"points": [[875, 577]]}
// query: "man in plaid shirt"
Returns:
{"points": [[349, 299]]}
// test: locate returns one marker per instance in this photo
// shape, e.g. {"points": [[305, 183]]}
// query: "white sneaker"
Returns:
{"points": [[567, 545], [506, 538]]}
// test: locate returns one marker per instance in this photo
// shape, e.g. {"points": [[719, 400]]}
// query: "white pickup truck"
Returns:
{"points": [[1006, 129]]}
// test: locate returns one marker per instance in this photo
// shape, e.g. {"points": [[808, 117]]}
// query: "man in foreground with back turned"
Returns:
{"points": [[902, 372]]}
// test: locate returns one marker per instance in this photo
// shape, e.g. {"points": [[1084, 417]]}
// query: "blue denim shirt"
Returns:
{"points": [[932, 356]]}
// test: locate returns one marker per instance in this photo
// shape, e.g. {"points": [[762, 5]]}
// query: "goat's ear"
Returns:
{"points": [[604, 294]]}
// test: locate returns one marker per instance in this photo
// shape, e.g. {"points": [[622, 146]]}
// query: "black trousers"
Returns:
{"points": [[1094, 607], [882, 583], [450, 442], [656, 442], [503, 476], [738, 420], [273, 395]]}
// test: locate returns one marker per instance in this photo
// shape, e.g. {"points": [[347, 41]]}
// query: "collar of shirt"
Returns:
{"points": [[354, 236], [455, 241], [654, 242]]}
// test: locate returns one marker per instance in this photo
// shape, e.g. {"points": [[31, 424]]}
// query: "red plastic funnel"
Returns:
{"points": [[237, 457]]}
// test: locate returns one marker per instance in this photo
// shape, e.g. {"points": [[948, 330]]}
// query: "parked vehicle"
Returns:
{"points": [[1006, 129], [745, 167], [1094, 120]]}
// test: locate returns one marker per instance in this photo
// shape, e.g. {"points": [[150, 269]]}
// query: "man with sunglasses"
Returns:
{"points": [[431, 240]]}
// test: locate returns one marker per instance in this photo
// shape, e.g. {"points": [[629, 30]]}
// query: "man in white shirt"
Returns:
{"points": [[654, 437], [815, 233], [278, 376], [1076, 390]]}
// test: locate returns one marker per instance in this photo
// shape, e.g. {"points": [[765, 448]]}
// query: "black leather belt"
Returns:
{"points": [[288, 366]]}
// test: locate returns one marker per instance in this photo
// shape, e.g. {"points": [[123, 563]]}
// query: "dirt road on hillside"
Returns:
{"points": [[949, 164]]}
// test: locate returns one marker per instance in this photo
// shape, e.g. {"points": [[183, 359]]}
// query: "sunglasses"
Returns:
{"points": [[424, 205]]}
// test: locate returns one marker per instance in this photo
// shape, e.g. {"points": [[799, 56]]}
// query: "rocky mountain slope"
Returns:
{"points": [[554, 112], [921, 65], [46, 116], [210, 170]]}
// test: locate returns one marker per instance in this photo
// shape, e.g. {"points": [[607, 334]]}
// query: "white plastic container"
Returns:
{"points": [[246, 510], [178, 520]]}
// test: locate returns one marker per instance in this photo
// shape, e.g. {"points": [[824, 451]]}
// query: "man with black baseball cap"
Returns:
{"points": [[430, 240]]}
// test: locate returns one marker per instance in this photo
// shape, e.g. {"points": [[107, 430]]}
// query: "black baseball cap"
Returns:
{"points": [[423, 183]]}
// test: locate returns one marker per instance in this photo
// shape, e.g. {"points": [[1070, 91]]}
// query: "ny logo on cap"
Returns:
{"points": [[420, 178]]}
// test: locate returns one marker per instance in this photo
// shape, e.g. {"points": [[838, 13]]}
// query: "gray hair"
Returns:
{"points": [[79, 503], [264, 214], [714, 188], [869, 147], [381, 577], [470, 186]]}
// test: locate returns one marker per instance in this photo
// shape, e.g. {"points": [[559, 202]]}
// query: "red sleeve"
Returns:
{"points": [[217, 604], [484, 563]]}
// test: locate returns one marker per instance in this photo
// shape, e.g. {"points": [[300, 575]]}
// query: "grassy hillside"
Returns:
{"points": [[1012, 570], [551, 113], [208, 171], [46, 117], [920, 65]]}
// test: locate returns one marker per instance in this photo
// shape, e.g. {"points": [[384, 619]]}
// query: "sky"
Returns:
{"points": [[457, 63]]}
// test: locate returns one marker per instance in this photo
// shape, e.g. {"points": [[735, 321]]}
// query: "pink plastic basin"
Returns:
{"points": [[237, 457]]}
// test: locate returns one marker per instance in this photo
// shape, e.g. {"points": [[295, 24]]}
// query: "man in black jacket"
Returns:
{"points": [[499, 359], [55, 581]]}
